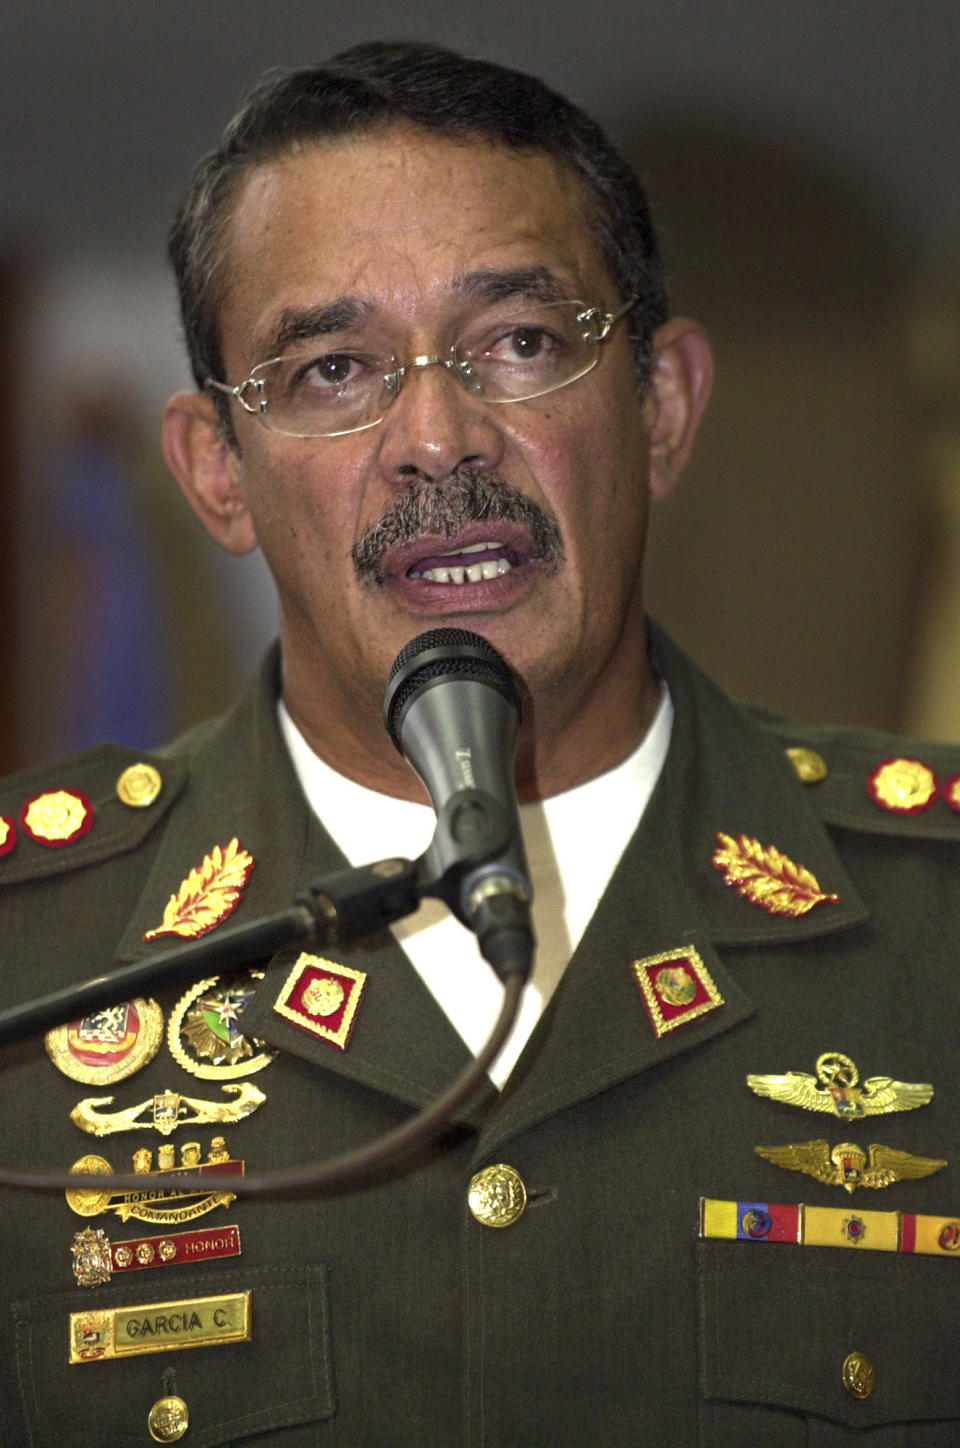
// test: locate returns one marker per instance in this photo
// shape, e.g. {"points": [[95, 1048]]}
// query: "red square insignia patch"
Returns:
{"points": [[676, 988], [322, 996]]}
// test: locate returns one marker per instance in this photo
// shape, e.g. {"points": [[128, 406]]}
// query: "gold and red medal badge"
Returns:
{"points": [[321, 997], [905, 786], [676, 988], [107, 1045], [908, 786], [57, 817], [96, 1258]]}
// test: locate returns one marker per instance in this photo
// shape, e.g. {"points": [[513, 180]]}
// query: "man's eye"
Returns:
{"points": [[523, 343], [332, 370]]}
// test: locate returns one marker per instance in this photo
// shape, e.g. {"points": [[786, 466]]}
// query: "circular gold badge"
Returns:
{"points": [[858, 1375], [139, 785], [323, 996], [497, 1196], [57, 817], [833, 1068], [808, 764], [168, 1420], [87, 1201], [204, 1033], [675, 985], [107, 1045], [905, 786]]}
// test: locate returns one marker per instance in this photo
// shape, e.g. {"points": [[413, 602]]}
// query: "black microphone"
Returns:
{"points": [[452, 709]]}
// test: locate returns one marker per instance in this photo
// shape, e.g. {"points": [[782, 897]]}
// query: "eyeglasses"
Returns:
{"points": [[499, 357]]}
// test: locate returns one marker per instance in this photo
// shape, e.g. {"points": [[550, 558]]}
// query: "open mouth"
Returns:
{"points": [[470, 563]]}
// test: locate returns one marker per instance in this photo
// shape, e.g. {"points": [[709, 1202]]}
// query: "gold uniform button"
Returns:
{"points": [[858, 1375], [168, 1420], [139, 785], [497, 1196], [809, 765]]}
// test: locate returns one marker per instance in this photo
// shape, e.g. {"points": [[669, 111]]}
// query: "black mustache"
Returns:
{"points": [[443, 509]]}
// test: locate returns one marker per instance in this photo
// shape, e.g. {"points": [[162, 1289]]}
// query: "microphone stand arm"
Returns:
{"points": [[334, 910]]}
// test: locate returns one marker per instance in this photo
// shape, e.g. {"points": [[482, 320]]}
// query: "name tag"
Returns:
{"points": [[160, 1327]]}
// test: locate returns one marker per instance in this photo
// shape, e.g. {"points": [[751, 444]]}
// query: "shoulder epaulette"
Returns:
{"points": [[82, 809], [874, 782]]}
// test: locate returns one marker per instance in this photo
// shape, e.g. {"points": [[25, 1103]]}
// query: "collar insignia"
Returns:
{"points": [[767, 878], [208, 894], [321, 997], [676, 988], [834, 1088]]}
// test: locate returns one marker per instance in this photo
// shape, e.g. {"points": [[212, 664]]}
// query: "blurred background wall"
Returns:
{"points": [[803, 162]]}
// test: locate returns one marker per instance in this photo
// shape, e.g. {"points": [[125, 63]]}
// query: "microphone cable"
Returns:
{"points": [[346, 1169]]}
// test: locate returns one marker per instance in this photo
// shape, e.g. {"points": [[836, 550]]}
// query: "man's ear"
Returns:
{"points": [[679, 389], [207, 469]]}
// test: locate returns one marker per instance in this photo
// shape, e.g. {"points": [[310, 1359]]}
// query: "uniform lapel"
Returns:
{"points": [[723, 774], [241, 785]]}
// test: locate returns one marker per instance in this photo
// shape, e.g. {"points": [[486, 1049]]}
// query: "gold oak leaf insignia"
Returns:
{"points": [[208, 894], [768, 878]]}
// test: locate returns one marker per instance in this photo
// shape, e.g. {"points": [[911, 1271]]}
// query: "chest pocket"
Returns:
{"points": [[235, 1393], [778, 1324]]}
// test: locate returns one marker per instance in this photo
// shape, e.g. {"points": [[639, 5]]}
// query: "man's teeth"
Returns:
{"points": [[473, 572]]}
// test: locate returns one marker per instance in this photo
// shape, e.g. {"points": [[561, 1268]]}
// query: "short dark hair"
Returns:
{"points": [[378, 84]]}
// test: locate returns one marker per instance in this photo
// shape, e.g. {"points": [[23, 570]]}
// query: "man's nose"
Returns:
{"points": [[436, 424]]}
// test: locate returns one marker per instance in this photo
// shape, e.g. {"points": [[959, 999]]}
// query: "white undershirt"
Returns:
{"points": [[573, 840]]}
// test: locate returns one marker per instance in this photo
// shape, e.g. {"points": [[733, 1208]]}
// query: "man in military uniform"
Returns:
{"points": [[438, 383]]}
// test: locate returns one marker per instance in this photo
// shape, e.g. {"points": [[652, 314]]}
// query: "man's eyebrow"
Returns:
{"points": [[489, 284], [498, 284], [300, 324]]}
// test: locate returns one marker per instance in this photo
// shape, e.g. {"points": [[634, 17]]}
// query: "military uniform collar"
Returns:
{"points": [[726, 774], [723, 773]]}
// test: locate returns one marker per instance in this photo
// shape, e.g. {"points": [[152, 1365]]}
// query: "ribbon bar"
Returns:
{"points": [[829, 1227]]}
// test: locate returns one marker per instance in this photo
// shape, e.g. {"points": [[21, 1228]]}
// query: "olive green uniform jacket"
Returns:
{"points": [[387, 1314]]}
